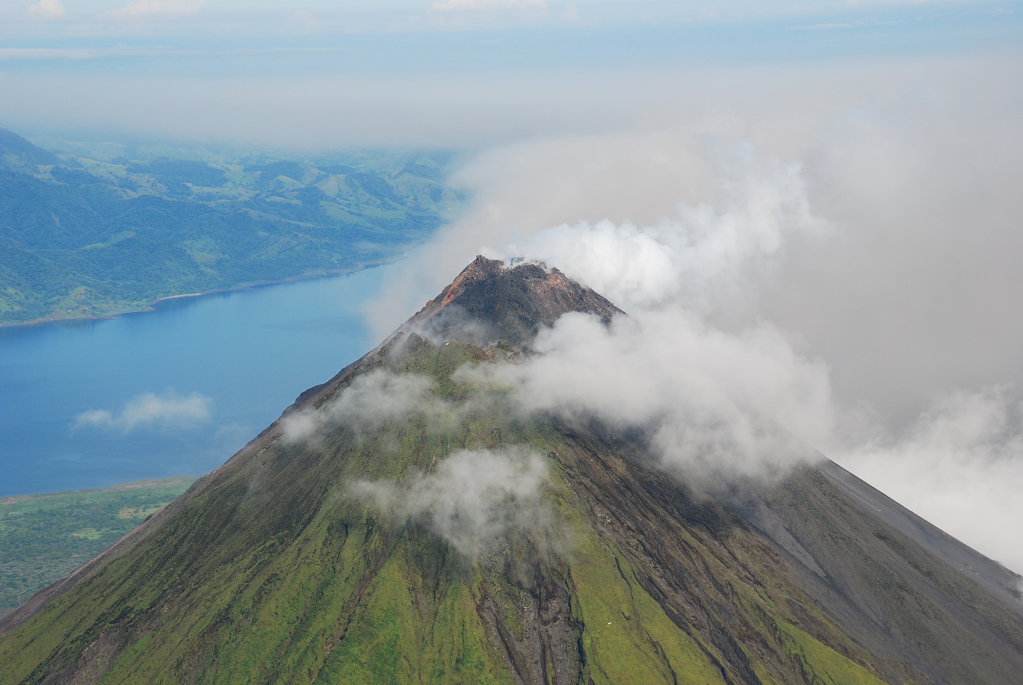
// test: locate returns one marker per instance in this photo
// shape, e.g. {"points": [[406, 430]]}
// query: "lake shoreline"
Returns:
{"points": [[10, 500], [244, 356], [153, 304]]}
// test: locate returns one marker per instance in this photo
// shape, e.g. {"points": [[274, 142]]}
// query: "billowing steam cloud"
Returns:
{"points": [[715, 403], [712, 402], [471, 498], [690, 258]]}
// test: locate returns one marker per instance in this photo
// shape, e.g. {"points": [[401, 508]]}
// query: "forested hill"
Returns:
{"points": [[87, 232]]}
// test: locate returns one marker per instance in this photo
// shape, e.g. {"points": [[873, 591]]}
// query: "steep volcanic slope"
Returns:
{"points": [[271, 569]]}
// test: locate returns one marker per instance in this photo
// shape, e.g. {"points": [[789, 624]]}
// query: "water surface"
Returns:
{"points": [[246, 354]]}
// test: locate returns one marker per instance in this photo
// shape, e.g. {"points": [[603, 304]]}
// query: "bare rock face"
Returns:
{"points": [[489, 301]]}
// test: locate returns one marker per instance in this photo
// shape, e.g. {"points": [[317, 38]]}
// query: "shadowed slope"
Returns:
{"points": [[1001, 583], [270, 569]]}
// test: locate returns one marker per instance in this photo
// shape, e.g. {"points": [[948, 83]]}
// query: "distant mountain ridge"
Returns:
{"points": [[84, 237], [16, 153], [270, 569]]}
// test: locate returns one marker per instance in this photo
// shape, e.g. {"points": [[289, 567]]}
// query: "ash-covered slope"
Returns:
{"points": [[353, 541]]}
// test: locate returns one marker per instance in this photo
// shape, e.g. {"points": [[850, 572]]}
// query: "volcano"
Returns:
{"points": [[400, 525]]}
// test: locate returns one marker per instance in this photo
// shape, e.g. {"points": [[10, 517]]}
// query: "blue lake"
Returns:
{"points": [[242, 356]]}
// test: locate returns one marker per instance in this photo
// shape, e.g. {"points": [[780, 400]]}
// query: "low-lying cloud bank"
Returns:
{"points": [[472, 498], [167, 410]]}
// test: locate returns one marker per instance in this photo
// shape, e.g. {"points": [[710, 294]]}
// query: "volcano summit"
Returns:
{"points": [[409, 521]]}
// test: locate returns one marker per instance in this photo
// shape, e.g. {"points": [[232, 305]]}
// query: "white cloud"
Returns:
{"points": [[47, 9], [833, 26], [711, 402], [148, 409], [622, 180], [370, 401], [455, 5], [960, 462], [472, 497], [686, 258], [152, 8]]}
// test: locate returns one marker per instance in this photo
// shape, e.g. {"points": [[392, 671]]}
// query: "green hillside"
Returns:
{"points": [[85, 235], [240, 581], [45, 537]]}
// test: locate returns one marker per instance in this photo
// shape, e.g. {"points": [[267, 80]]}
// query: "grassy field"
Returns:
{"points": [[45, 537]]}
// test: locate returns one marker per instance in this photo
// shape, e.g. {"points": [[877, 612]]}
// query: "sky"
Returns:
{"points": [[822, 193], [457, 73]]}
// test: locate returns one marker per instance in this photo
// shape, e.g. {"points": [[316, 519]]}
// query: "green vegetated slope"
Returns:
{"points": [[97, 230], [272, 572], [270, 569], [45, 537]]}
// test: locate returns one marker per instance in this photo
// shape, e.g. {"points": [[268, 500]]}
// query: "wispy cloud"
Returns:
{"points": [[149, 409], [711, 399], [49, 53], [457, 5], [370, 401], [47, 9], [472, 498], [127, 51], [152, 8], [840, 25]]}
